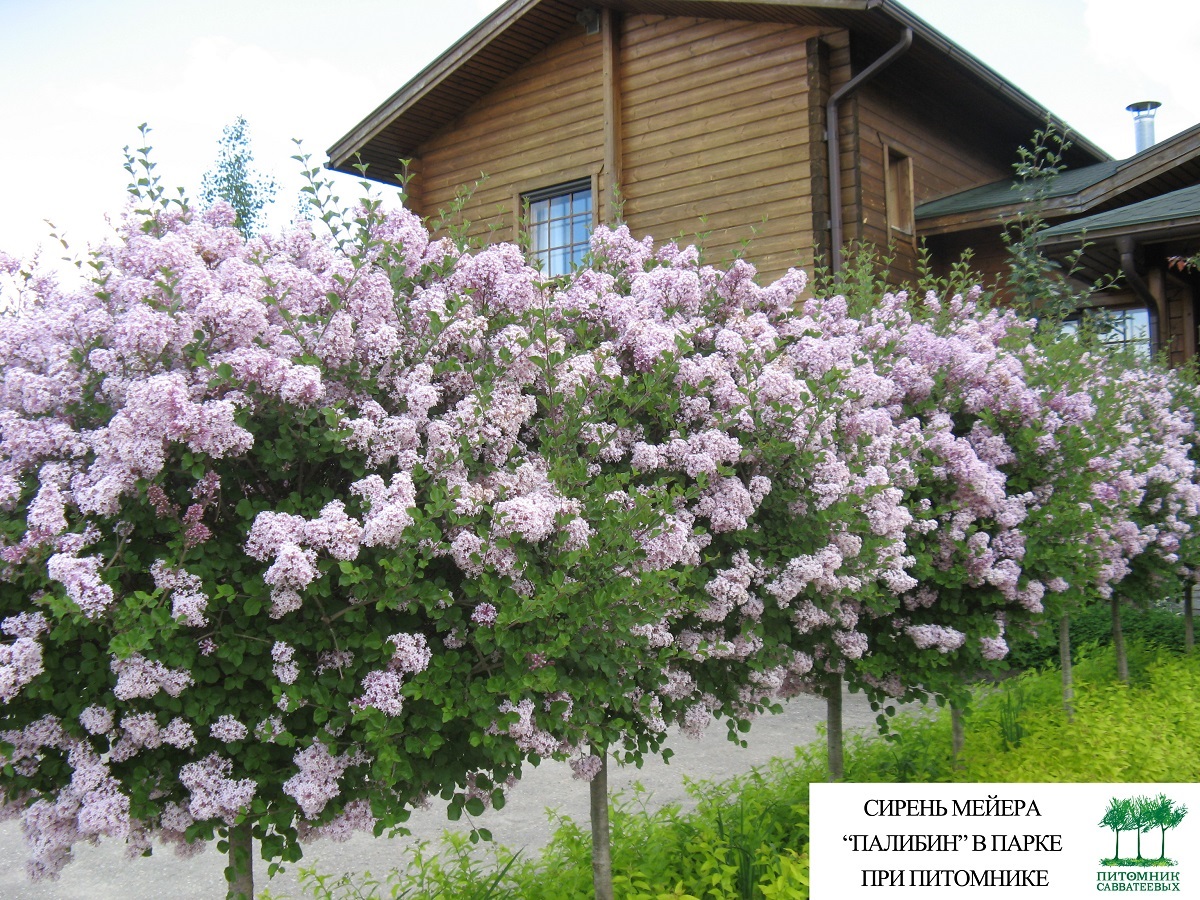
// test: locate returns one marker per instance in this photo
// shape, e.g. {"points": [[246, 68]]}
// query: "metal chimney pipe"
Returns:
{"points": [[1143, 123]]}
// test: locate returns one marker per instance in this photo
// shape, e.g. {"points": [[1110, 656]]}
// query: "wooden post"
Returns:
{"points": [[817, 56], [602, 882], [1188, 335], [833, 728], [610, 49], [1156, 282], [958, 738]]}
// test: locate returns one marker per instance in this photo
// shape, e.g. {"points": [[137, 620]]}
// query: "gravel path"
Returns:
{"points": [[103, 873]]}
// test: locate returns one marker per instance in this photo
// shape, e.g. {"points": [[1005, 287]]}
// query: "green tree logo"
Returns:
{"points": [[1141, 815], [1162, 813], [1118, 817]]}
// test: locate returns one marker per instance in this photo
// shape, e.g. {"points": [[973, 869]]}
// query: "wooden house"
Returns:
{"points": [[687, 117], [739, 121]]}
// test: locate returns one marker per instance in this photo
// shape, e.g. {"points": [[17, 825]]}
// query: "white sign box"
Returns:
{"points": [[1001, 841]]}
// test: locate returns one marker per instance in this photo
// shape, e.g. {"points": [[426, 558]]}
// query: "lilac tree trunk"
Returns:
{"points": [[602, 881], [239, 874], [833, 728], [1119, 640], [1064, 660], [958, 738], [1189, 633]]}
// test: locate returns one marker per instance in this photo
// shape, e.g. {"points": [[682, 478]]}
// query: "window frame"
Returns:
{"points": [[1141, 346], [899, 195], [527, 194]]}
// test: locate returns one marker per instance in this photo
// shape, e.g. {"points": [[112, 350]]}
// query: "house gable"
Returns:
{"points": [[520, 28], [717, 138]]}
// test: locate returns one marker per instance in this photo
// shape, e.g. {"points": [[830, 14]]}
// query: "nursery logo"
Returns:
{"points": [[1144, 815]]}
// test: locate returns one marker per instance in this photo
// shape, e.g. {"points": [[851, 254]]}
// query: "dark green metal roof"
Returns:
{"points": [[1170, 162], [1007, 193], [1176, 207]]}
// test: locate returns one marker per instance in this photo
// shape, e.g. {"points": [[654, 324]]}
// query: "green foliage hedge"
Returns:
{"points": [[748, 837], [1158, 626]]}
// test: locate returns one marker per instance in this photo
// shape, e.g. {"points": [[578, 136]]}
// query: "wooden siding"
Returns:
{"points": [[543, 125], [717, 138], [944, 161], [989, 255]]}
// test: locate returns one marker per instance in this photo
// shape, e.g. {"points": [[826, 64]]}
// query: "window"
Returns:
{"points": [[1118, 328], [899, 175], [560, 225]]}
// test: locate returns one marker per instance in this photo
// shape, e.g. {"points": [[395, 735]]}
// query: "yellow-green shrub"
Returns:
{"points": [[757, 824]]}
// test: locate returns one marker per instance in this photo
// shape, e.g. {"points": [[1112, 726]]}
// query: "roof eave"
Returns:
{"points": [[986, 218], [1130, 172], [342, 152], [1167, 229], [991, 216]]}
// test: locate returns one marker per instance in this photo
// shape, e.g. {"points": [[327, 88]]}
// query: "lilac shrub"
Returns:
{"points": [[205, 545], [985, 469], [797, 532], [1145, 492], [1020, 514], [809, 541], [327, 528], [906, 456]]}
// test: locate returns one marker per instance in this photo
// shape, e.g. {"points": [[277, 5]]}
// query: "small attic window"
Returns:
{"points": [[898, 173], [559, 225]]}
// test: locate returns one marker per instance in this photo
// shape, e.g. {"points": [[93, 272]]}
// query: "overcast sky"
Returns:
{"points": [[78, 76]]}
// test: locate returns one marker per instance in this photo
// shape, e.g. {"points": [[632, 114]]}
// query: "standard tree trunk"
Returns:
{"points": [[958, 738], [1189, 634], [602, 881], [239, 874], [1064, 660], [1119, 640], [833, 727]]}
